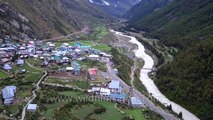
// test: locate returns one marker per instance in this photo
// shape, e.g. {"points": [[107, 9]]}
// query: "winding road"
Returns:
{"points": [[166, 115], [150, 85], [34, 96], [71, 34]]}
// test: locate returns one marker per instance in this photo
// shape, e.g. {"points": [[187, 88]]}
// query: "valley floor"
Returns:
{"points": [[149, 84]]}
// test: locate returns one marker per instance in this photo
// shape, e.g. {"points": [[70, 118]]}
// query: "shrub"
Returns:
{"points": [[99, 110]]}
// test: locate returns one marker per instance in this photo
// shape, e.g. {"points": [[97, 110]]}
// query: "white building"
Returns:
{"points": [[93, 57], [31, 107], [136, 102], [69, 68], [104, 92]]}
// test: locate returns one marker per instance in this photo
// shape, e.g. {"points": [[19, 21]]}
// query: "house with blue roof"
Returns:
{"points": [[85, 47], [74, 64], [77, 68], [50, 59], [77, 44], [63, 48], [77, 71], [8, 94], [57, 58], [119, 97]]}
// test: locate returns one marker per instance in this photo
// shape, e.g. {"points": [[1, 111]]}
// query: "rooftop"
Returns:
{"points": [[118, 96], [135, 101], [32, 106], [8, 92], [114, 84], [92, 71], [20, 62], [69, 68], [7, 67]]}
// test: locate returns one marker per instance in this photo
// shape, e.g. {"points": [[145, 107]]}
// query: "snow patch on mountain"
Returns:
{"points": [[105, 2], [91, 1], [100, 2]]}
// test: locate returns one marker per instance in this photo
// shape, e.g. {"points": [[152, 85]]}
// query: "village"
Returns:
{"points": [[76, 65]]}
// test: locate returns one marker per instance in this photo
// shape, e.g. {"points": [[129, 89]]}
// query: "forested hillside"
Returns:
{"points": [[181, 22], [188, 80], [145, 7]]}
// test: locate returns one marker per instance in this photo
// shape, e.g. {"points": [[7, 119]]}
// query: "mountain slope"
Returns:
{"points": [[181, 22], [187, 25], [188, 80], [46, 18], [145, 7], [114, 7]]}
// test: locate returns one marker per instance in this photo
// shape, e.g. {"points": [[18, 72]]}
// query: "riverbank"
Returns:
{"points": [[149, 84]]}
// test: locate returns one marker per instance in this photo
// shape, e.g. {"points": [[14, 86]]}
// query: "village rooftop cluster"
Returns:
{"points": [[66, 56]]}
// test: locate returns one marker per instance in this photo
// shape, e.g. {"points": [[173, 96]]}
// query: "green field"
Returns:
{"points": [[100, 31], [3, 74], [35, 62], [102, 47], [137, 114], [77, 83], [110, 114], [87, 42], [72, 93], [28, 68], [24, 83], [91, 64], [31, 75], [85, 111], [50, 110]]}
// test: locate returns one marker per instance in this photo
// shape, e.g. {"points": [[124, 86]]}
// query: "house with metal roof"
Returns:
{"points": [[69, 69], [74, 64], [7, 67], [114, 86], [5, 60], [8, 94], [93, 57], [65, 60], [121, 97], [104, 92], [44, 63], [20, 62], [57, 58], [136, 102], [77, 68], [96, 89], [32, 107], [92, 73], [76, 71]]}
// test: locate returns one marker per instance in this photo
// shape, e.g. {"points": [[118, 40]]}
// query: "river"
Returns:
{"points": [[150, 85]]}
